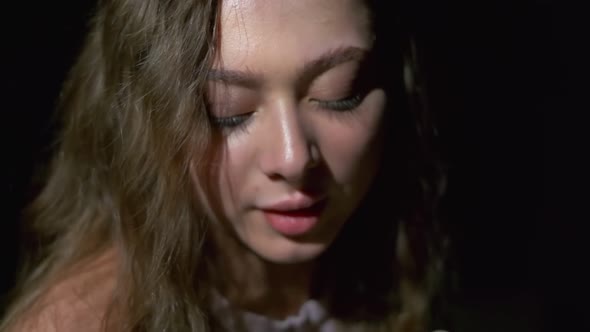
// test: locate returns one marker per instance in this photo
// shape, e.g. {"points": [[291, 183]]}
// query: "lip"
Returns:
{"points": [[295, 217], [298, 202]]}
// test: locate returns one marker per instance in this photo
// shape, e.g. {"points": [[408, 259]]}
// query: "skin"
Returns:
{"points": [[293, 138]]}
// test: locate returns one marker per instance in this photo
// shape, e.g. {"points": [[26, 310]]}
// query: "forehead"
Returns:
{"points": [[275, 34]]}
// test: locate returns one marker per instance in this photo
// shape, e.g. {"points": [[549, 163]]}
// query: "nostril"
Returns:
{"points": [[291, 167], [314, 157]]}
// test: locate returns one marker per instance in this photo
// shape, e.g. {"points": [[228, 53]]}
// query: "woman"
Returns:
{"points": [[242, 166]]}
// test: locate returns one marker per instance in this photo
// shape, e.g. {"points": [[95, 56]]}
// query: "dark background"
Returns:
{"points": [[498, 78]]}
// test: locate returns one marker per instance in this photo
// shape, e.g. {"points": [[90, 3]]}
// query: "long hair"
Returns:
{"points": [[387, 265], [134, 118]]}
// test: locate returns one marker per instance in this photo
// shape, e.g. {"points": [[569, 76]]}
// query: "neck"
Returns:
{"points": [[254, 284]]}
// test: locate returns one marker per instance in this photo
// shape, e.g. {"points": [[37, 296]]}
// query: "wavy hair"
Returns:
{"points": [[134, 118]]}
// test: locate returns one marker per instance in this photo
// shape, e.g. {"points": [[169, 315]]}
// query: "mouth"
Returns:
{"points": [[296, 221]]}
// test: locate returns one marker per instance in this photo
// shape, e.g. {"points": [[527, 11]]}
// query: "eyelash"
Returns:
{"points": [[341, 105], [239, 122], [231, 123]]}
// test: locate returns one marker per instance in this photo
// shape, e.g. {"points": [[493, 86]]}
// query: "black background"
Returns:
{"points": [[498, 79]]}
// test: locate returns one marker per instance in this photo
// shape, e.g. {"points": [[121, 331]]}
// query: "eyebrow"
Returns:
{"points": [[245, 79], [310, 69], [330, 60]]}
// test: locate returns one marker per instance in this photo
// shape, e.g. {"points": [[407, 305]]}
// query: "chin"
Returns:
{"points": [[288, 251]]}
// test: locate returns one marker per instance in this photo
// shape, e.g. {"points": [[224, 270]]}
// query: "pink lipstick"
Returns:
{"points": [[294, 217]]}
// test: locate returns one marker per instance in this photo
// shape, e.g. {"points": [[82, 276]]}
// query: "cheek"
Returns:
{"points": [[351, 147], [233, 166]]}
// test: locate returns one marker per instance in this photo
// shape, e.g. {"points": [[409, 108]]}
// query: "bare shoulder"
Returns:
{"points": [[78, 302]]}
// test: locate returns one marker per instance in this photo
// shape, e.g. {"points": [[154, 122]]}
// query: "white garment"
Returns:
{"points": [[312, 317]]}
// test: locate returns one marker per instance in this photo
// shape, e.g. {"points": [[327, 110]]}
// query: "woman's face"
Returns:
{"points": [[291, 95]]}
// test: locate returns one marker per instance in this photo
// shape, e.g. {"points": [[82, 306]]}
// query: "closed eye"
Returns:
{"points": [[233, 122], [345, 104]]}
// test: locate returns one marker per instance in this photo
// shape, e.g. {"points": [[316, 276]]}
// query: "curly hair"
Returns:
{"points": [[134, 118]]}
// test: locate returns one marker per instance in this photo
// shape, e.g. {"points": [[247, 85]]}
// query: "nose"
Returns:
{"points": [[287, 151]]}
